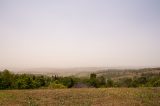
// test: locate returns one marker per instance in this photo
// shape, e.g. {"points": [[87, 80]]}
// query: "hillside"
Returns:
{"points": [[127, 73]]}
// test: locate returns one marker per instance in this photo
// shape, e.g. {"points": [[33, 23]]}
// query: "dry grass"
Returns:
{"points": [[82, 97]]}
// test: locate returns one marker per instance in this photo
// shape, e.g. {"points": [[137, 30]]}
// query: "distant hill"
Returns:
{"points": [[84, 71], [129, 73]]}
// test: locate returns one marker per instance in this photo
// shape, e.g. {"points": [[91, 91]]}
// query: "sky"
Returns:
{"points": [[79, 33]]}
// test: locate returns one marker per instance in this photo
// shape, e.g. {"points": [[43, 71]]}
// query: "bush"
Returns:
{"points": [[156, 83], [56, 86]]}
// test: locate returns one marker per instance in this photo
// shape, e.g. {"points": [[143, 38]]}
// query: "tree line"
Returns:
{"points": [[9, 80]]}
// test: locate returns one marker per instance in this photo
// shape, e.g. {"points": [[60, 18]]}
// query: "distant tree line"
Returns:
{"points": [[10, 80]]}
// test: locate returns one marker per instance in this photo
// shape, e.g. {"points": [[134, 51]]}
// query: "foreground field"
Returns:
{"points": [[82, 97]]}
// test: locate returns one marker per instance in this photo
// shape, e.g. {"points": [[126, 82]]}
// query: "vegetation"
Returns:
{"points": [[56, 85], [81, 97], [121, 91], [10, 80]]}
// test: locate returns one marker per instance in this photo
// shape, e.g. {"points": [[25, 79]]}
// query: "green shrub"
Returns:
{"points": [[156, 83], [56, 86]]}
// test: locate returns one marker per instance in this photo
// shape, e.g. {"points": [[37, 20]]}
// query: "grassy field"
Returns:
{"points": [[81, 97]]}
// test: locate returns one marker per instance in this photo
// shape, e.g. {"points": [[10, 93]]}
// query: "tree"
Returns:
{"points": [[6, 80], [101, 81], [93, 76], [110, 83], [66, 81], [126, 82], [93, 81]]}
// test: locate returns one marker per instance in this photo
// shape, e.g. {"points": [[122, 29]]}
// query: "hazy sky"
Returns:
{"points": [[79, 33]]}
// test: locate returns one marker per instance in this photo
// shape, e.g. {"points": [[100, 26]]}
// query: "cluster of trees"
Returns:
{"points": [[9, 80], [145, 80]]}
